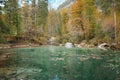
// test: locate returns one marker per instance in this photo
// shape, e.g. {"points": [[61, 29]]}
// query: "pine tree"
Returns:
{"points": [[12, 10], [42, 13]]}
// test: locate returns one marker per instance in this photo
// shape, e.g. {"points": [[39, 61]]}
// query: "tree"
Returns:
{"points": [[76, 19], [53, 23], [89, 18], [108, 7], [64, 17], [12, 10], [42, 13], [26, 19], [4, 29]]}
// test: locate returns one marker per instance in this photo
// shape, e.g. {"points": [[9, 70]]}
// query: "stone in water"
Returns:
{"points": [[68, 45]]}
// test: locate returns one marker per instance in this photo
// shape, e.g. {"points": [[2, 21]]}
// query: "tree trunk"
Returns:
{"points": [[115, 21]]}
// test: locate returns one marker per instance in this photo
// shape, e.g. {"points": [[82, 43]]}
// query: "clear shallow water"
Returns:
{"points": [[59, 63]]}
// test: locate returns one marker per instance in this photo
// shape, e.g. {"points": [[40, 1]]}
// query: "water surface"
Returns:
{"points": [[59, 63]]}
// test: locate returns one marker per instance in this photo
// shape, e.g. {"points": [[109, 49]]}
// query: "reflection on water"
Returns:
{"points": [[56, 77], [60, 64], [52, 48]]}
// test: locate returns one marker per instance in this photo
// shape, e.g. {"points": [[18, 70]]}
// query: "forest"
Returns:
{"points": [[90, 21], [78, 40]]}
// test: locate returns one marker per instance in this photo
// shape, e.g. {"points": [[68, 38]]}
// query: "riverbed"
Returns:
{"points": [[59, 63]]}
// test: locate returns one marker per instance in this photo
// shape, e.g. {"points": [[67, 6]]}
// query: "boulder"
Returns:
{"points": [[79, 46], [115, 46], [52, 39], [102, 46], [60, 44], [68, 45]]}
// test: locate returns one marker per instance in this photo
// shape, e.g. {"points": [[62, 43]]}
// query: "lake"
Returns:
{"points": [[60, 63]]}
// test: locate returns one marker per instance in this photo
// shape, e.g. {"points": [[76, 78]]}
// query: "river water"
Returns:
{"points": [[40, 63]]}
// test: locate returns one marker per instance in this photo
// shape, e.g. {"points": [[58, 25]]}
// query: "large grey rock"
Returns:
{"points": [[68, 45], [52, 39], [102, 46]]}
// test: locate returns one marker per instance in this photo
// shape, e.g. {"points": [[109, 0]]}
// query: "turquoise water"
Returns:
{"points": [[59, 63]]}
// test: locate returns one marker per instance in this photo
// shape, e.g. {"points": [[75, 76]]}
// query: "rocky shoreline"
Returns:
{"points": [[81, 45], [9, 46]]}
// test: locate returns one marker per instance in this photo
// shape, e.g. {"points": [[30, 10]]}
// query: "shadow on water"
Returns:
{"points": [[61, 64]]}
